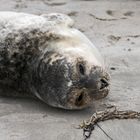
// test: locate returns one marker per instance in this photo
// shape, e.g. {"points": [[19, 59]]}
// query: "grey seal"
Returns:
{"points": [[47, 58]]}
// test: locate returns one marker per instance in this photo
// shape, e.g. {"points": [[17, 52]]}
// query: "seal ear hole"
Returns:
{"points": [[79, 99], [81, 69]]}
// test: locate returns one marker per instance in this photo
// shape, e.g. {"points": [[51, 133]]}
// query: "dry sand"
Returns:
{"points": [[114, 27]]}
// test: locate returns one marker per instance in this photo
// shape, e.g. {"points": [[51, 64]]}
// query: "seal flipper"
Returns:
{"points": [[59, 19]]}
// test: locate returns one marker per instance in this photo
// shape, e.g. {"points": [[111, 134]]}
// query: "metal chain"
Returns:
{"points": [[108, 114]]}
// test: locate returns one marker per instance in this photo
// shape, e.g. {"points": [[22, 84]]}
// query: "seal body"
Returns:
{"points": [[45, 57]]}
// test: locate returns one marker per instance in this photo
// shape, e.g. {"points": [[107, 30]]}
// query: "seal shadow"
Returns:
{"points": [[12, 105]]}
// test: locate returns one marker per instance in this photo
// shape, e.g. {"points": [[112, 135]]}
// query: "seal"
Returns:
{"points": [[46, 57]]}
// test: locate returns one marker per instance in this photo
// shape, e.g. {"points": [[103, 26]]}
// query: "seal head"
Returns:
{"points": [[71, 73]]}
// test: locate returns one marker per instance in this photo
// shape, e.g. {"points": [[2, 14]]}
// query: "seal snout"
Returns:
{"points": [[97, 83]]}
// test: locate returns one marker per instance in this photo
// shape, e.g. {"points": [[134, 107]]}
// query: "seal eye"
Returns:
{"points": [[81, 69], [79, 99]]}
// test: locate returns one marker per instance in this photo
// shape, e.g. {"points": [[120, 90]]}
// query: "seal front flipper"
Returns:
{"points": [[59, 19]]}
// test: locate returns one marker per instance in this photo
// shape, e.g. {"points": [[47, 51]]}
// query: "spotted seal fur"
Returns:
{"points": [[46, 57]]}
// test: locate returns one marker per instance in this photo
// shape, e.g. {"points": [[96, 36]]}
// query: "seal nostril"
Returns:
{"points": [[104, 83]]}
